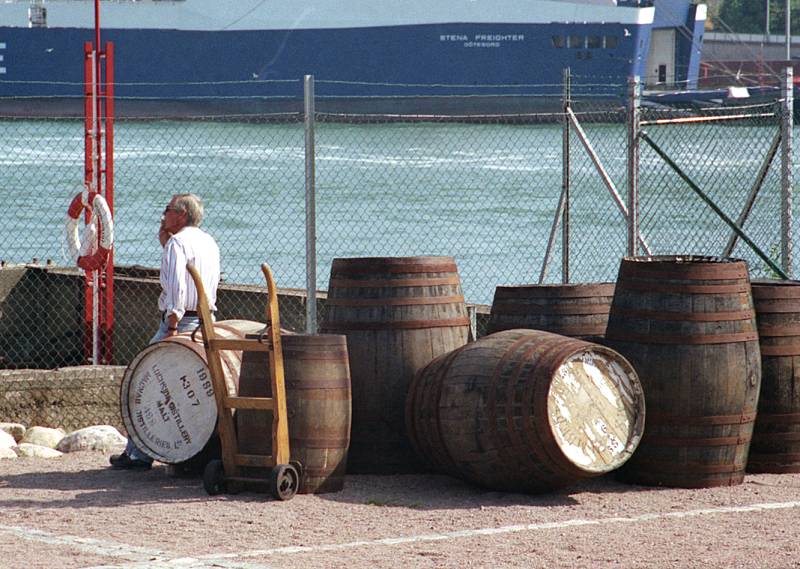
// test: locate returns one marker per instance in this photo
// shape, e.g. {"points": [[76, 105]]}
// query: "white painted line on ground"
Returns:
{"points": [[105, 548], [144, 558], [501, 530], [183, 563], [139, 557]]}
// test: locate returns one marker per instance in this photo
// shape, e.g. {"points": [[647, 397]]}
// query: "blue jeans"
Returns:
{"points": [[185, 324]]}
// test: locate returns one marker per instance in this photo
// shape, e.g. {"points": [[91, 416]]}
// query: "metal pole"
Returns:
{"points": [[609, 183], [788, 31], [633, 165], [751, 198], [311, 213], [710, 203], [565, 178], [766, 26], [787, 179], [551, 241], [95, 188]]}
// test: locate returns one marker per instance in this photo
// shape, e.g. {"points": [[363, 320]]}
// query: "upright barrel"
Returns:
{"points": [[526, 411], [398, 313], [776, 436], [575, 310], [167, 397], [317, 378], [687, 325]]}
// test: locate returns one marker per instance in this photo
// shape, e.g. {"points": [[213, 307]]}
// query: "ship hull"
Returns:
{"points": [[429, 69]]}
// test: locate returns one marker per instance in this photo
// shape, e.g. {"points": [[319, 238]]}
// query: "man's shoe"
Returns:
{"points": [[124, 462]]}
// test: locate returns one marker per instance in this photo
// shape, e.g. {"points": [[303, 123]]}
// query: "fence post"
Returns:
{"points": [[633, 164], [787, 125], [311, 221], [565, 178]]}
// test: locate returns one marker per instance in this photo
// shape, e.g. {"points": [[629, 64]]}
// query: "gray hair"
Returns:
{"points": [[192, 206]]}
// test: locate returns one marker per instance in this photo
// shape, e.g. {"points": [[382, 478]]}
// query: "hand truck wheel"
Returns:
{"points": [[284, 482]]}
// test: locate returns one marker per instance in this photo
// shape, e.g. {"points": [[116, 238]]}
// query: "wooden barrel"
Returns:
{"points": [[398, 313], [687, 325], [317, 376], [167, 399], [776, 436], [576, 310], [526, 411]]}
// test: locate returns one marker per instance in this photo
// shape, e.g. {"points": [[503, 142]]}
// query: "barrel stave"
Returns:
{"points": [[398, 314], [317, 380], [776, 437], [167, 399], [485, 412], [687, 325], [576, 310]]}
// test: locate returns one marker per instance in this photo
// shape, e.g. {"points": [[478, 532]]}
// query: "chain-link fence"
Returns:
{"points": [[731, 156], [483, 189]]}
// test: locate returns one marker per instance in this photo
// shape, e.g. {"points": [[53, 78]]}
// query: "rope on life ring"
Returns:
{"points": [[86, 255]]}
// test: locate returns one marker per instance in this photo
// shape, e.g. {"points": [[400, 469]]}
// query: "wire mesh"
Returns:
{"points": [[722, 151], [484, 189]]}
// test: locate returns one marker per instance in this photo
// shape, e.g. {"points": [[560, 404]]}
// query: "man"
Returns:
{"points": [[184, 242]]}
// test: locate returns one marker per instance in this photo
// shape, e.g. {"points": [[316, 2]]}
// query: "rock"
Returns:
{"points": [[16, 430], [6, 440], [28, 449], [43, 436], [99, 437], [7, 453]]}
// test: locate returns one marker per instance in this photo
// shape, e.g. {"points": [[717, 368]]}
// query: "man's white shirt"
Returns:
{"points": [[178, 293]]}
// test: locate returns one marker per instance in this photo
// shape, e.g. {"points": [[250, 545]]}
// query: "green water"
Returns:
{"points": [[485, 194]]}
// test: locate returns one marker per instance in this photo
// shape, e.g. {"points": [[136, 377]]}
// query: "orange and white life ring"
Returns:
{"points": [[90, 255]]}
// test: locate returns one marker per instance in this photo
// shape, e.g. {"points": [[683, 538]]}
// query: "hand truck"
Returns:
{"points": [[226, 474]]}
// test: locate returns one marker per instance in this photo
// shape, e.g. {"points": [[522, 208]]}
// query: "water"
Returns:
{"points": [[485, 194]]}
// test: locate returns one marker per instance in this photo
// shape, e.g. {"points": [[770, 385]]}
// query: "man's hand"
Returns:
{"points": [[172, 325], [163, 234]]}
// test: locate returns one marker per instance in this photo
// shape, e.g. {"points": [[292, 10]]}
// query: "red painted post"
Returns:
{"points": [[108, 99], [88, 91]]}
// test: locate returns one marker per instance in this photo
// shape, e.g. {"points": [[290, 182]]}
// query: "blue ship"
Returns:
{"points": [[183, 57]]}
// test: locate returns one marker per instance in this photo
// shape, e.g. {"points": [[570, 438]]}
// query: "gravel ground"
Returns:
{"points": [[74, 512]]}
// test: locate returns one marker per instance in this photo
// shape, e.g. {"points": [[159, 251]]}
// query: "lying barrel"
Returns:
{"points": [[776, 436], [167, 398], [526, 411], [317, 378], [576, 310], [398, 313], [687, 325]]}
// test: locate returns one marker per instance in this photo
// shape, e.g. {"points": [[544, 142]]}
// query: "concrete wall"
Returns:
{"points": [[69, 398], [41, 313]]}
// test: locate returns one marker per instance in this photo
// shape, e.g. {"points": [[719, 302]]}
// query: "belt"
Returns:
{"points": [[193, 313]]}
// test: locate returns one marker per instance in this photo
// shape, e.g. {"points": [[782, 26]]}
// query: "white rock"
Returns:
{"points": [[6, 440], [28, 449], [99, 437], [43, 436], [16, 430], [7, 453]]}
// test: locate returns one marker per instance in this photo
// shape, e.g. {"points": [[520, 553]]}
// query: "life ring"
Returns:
{"points": [[86, 255]]}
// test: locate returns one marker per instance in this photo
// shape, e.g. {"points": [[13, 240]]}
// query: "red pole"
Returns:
{"points": [[88, 297], [108, 99], [97, 24]]}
